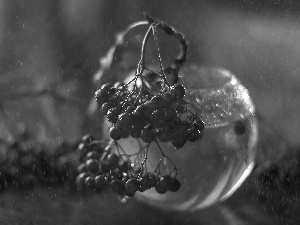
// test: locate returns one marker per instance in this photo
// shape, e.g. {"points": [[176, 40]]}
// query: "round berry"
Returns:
{"points": [[117, 187], [81, 168], [132, 185], [158, 115], [193, 135], [124, 166], [143, 110], [166, 134], [100, 181], [92, 166], [115, 133], [180, 130], [106, 107], [170, 115], [178, 91], [147, 135], [112, 114], [106, 86], [180, 107], [178, 143], [102, 96], [175, 185], [136, 133], [157, 102], [163, 184], [90, 182], [169, 99], [112, 159], [199, 125], [87, 138], [92, 155]]}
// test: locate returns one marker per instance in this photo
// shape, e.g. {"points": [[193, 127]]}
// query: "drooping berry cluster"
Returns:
{"points": [[165, 116], [101, 168], [152, 108], [26, 163]]}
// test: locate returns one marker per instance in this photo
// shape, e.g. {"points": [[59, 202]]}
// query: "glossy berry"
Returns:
{"points": [[90, 182], [124, 121], [147, 135], [163, 184], [112, 159], [175, 185], [112, 114], [92, 155], [100, 181], [92, 166], [178, 91], [132, 185], [178, 143], [87, 138], [106, 107], [117, 187], [143, 110], [170, 115], [199, 125], [193, 135], [115, 133]]}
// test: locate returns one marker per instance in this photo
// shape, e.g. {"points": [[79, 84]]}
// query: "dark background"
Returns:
{"points": [[56, 46]]}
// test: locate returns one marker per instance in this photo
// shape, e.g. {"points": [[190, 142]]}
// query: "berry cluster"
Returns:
{"points": [[165, 116], [101, 168], [152, 108], [27, 163]]}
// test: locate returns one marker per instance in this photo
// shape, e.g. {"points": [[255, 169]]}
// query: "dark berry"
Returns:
{"points": [[132, 185], [143, 110], [165, 134], [92, 155], [112, 114], [112, 159], [97, 146], [163, 184], [147, 135], [92, 166], [175, 185], [157, 102], [106, 87], [136, 133], [106, 107], [138, 121], [117, 187], [90, 182], [170, 115], [193, 135], [178, 91], [199, 125], [180, 131], [102, 96], [179, 107], [115, 133], [168, 98], [178, 143], [100, 181], [81, 168], [124, 121], [123, 166], [87, 138], [158, 115], [80, 180]]}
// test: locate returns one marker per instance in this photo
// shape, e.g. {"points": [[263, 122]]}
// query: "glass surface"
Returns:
{"points": [[211, 169]]}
